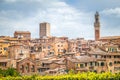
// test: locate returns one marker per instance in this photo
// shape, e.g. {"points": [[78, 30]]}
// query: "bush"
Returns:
{"points": [[9, 72], [79, 76]]}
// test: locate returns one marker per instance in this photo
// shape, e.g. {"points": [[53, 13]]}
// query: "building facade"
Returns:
{"points": [[26, 66], [44, 29], [4, 47], [22, 34]]}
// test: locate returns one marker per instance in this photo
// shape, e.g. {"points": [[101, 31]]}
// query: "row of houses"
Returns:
{"points": [[56, 55]]}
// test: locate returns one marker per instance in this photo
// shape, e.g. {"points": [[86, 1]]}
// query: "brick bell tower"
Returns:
{"points": [[97, 26]]}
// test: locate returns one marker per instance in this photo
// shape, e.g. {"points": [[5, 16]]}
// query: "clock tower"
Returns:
{"points": [[97, 26]]}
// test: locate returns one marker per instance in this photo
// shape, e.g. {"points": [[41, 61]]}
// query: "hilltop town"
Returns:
{"points": [[57, 55]]}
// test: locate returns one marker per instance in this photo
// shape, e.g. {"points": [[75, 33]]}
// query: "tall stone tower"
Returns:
{"points": [[44, 29], [97, 26]]}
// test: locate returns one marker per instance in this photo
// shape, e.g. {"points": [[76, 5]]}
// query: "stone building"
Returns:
{"points": [[22, 34], [44, 29], [85, 64], [72, 45], [112, 39], [4, 47], [110, 54], [51, 45], [60, 47], [26, 66], [19, 51], [78, 45], [5, 62]]}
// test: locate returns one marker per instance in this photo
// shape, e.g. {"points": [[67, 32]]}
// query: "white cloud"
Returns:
{"points": [[10, 1], [112, 11], [28, 1], [65, 20]]}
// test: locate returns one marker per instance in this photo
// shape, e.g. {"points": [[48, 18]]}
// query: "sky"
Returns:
{"points": [[71, 18]]}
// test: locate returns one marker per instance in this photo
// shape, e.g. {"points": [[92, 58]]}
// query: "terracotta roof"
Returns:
{"points": [[84, 41], [97, 51], [23, 59], [4, 60], [46, 62], [3, 41], [112, 54], [22, 32], [111, 45], [100, 52], [110, 37], [85, 58], [60, 62], [82, 59]]}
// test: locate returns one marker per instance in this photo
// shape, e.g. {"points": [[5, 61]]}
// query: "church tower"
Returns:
{"points": [[97, 26]]}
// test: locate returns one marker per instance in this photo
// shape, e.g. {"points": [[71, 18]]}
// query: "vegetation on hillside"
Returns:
{"points": [[12, 74]]}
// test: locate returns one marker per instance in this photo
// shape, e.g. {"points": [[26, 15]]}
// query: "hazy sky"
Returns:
{"points": [[72, 18]]}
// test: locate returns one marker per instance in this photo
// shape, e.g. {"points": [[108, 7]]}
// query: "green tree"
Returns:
{"points": [[9, 72]]}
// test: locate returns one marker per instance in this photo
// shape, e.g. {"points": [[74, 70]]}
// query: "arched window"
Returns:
{"points": [[22, 68], [27, 67]]}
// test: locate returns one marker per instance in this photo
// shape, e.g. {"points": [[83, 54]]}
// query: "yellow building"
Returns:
{"points": [[4, 47]]}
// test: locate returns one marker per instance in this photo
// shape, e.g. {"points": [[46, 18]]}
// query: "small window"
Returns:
{"points": [[81, 65], [115, 62], [114, 56], [91, 64], [104, 56], [49, 47], [5, 48], [110, 64], [96, 64], [102, 64], [96, 56], [86, 64], [109, 56]]}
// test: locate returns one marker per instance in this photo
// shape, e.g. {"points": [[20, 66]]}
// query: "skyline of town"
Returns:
{"points": [[47, 31], [63, 15], [57, 37]]}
